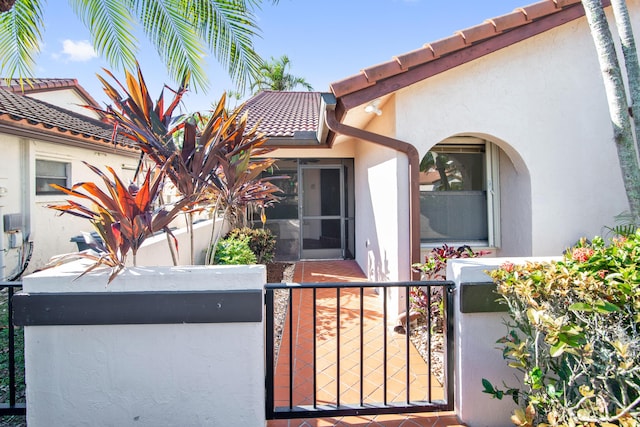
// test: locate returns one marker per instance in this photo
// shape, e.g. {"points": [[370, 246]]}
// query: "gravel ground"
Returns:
{"points": [[280, 308], [419, 338]]}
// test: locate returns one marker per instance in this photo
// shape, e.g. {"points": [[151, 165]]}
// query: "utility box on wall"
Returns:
{"points": [[12, 222]]}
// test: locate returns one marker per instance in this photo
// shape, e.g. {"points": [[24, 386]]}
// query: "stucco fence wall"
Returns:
{"points": [[479, 323], [162, 346], [123, 369], [155, 250]]}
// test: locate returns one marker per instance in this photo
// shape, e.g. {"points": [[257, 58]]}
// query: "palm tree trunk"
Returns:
{"points": [[617, 99], [630, 54]]}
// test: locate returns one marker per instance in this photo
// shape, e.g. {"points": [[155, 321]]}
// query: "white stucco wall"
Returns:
{"points": [[50, 233], [155, 250], [146, 375], [68, 99], [541, 100], [11, 197], [378, 221]]}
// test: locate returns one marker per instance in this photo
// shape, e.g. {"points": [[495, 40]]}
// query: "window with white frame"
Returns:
{"points": [[458, 198], [51, 172]]}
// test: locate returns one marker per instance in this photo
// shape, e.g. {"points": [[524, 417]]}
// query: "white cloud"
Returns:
{"points": [[78, 51]]}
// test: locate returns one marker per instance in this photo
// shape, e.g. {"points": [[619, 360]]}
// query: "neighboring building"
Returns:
{"points": [[64, 93], [509, 120], [44, 143]]}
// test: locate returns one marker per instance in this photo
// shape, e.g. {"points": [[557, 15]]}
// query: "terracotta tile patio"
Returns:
{"points": [[348, 381]]}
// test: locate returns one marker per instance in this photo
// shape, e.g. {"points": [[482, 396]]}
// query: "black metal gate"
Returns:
{"points": [[335, 352], [12, 359]]}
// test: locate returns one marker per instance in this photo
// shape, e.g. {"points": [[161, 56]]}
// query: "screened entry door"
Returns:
{"points": [[322, 212]]}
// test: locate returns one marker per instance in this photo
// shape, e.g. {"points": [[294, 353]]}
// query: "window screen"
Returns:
{"points": [[453, 197], [50, 172]]}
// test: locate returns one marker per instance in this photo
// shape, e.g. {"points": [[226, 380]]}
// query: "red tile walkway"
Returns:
{"points": [[349, 378]]}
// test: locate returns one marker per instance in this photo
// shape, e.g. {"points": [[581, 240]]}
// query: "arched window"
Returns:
{"points": [[459, 193]]}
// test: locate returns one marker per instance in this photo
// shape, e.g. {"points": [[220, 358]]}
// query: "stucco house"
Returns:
{"points": [[497, 136], [45, 135]]}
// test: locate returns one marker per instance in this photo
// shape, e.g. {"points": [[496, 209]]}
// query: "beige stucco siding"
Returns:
{"points": [[542, 101], [11, 194], [382, 204]]}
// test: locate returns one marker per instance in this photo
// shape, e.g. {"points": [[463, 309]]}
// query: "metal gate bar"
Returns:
{"points": [[338, 407], [12, 407]]}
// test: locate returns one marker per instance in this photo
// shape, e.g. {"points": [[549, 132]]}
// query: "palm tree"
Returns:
{"points": [[623, 118], [273, 76], [181, 31]]}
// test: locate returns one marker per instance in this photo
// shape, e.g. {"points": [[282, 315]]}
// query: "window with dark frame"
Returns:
{"points": [[453, 194], [51, 172]]}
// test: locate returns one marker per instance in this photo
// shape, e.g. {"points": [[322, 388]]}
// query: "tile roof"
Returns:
{"points": [[45, 85], [47, 118], [29, 85], [463, 39], [283, 114]]}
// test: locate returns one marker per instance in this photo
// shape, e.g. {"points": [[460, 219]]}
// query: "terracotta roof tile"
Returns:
{"points": [[282, 114], [385, 69], [415, 57], [538, 10], [460, 40], [564, 3], [511, 20], [350, 84], [44, 85], [29, 85], [478, 32], [447, 45], [21, 108]]}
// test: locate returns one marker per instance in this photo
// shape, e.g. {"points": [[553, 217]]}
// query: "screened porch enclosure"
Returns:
{"points": [[315, 217]]}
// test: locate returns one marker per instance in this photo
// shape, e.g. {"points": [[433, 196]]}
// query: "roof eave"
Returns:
{"points": [[363, 90], [38, 131]]}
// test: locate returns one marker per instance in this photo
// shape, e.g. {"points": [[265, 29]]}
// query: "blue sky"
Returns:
{"points": [[326, 40]]}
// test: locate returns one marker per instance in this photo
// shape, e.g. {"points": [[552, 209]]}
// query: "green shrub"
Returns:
{"points": [[233, 251], [575, 335], [261, 241]]}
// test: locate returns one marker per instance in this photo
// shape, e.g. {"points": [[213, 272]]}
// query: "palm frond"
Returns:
{"points": [[175, 38], [625, 225], [111, 25], [20, 37], [273, 75], [228, 28]]}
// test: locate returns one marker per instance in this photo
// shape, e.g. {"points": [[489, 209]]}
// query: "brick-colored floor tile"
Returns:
{"points": [[326, 335]]}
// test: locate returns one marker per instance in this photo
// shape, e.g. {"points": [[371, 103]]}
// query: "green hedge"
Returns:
{"points": [[575, 335]]}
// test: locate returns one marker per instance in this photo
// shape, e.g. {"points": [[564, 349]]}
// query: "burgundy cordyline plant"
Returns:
{"points": [[122, 215], [435, 268], [212, 161]]}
